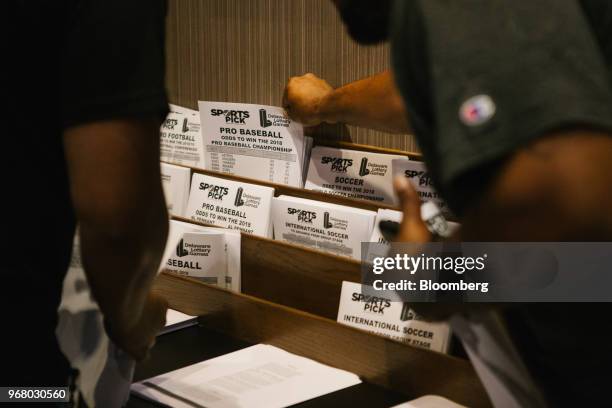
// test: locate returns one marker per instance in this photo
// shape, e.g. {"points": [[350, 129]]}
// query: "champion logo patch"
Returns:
{"points": [[477, 110]]}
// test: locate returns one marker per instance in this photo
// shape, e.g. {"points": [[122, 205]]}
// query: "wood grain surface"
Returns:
{"points": [[375, 359], [280, 189], [245, 51], [294, 276]]}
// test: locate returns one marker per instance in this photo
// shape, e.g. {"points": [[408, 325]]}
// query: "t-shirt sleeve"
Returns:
{"points": [[501, 73], [113, 61]]}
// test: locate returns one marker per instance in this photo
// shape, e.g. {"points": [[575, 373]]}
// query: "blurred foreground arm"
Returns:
{"points": [[558, 189], [116, 190], [373, 102]]}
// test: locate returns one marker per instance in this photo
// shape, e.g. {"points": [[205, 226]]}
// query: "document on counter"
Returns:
{"points": [[255, 141], [175, 181], [429, 401], [209, 254], [257, 376], [352, 173], [327, 227], [390, 319], [176, 320], [181, 139], [417, 173], [231, 204]]}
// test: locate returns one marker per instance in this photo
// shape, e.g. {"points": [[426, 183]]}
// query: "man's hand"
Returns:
{"points": [[116, 191], [372, 102], [140, 338], [304, 97], [413, 229]]}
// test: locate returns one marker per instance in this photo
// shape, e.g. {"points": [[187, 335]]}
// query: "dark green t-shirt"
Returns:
{"points": [[482, 78]]}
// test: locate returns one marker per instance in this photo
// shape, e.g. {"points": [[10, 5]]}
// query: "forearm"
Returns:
{"points": [[558, 189], [121, 262], [373, 102], [119, 203]]}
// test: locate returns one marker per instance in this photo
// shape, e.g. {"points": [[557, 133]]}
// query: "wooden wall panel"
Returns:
{"points": [[245, 50]]}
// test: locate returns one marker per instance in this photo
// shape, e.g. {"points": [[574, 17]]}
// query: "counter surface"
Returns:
{"points": [[194, 344]]}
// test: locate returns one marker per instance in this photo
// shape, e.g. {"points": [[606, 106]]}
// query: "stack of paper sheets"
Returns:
{"points": [[180, 138], [175, 182], [328, 227], [429, 401], [255, 141], [352, 173], [176, 320], [417, 173], [257, 376], [211, 255], [389, 318], [231, 204]]}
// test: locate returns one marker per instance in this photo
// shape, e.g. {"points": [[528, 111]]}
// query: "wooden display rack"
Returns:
{"points": [[293, 275], [290, 300], [376, 359], [281, 189], [368, 148], [295, 268]]}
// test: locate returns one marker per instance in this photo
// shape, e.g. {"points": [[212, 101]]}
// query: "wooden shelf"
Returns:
{"points": [[292, 275], [368, 148], [281, 189], [375, 359]]}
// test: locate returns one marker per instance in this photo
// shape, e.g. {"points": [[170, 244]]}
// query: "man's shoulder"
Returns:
{"points": [[599, 15], [599, 7]]}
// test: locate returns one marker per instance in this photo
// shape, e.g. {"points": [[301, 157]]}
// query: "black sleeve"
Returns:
{"points": [[113, 61], [498, 74]]}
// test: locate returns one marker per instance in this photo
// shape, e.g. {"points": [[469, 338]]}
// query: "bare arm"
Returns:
{"points": [[117, 195], [373, 102], [557, 189]]}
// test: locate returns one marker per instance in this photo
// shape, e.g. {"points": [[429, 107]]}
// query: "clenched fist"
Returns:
{"points": [[304, 98]]}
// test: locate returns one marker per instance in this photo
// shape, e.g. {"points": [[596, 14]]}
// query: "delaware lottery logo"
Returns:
{"points": [[326, 222], [363, 170], [477, 110], [263, 119], [180, 249], [238, 201]]}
